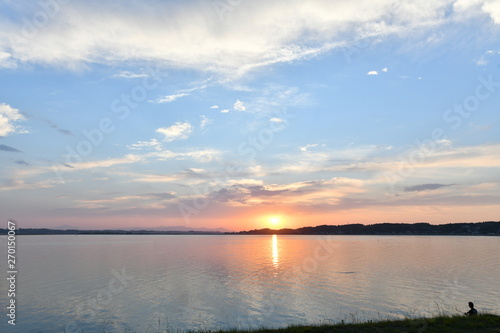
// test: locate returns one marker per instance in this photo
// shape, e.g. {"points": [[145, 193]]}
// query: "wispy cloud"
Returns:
{"points": [[277, 97], [53, 125], [308, 147], [178, 131], [6, 60], [206, 155], [384, 160], [424, 187], [170, 98], [15, 184], [141, 145], [130, 199], [106, 163], [481, 61], [130, 75], [198, 155], [9, 149], [205, 121], [324, 190]]}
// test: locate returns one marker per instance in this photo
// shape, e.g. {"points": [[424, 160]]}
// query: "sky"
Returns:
{"points": [[243, 114]]}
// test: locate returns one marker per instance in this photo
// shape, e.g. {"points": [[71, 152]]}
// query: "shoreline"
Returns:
{"points": [[438, 324]]}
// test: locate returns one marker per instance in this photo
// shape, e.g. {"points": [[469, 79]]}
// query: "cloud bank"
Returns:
{"points": [[248, 35]]}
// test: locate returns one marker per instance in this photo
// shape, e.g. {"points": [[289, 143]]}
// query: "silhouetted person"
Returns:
{"points": [[472, 311]]}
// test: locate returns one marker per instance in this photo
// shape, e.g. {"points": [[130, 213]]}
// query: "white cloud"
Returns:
{"points": [[372, 73], [141, 145], [205, 121], [8, 116], [201, 155], [492, 7], [224, 111], [481, 61], [245, 181], [238, 106], [130, 75], [308, 147], [178, 131], [276, 120], [170, 98], [214, 107], [254, 34], [385, 69]]}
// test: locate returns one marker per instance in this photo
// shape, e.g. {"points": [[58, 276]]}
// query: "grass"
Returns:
{"points": [[441, 324], [487, 323]]}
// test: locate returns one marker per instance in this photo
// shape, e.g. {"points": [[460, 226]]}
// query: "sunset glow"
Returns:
{"points": [[130, 114], [275, 221]]}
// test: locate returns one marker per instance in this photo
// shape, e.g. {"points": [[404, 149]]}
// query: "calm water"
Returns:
{"points": [[154, 283]]}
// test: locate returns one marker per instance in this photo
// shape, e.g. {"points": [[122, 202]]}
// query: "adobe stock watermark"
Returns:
{"points": [[367, 36], [120, 108], [352, 50], [47, 10], [437, 141], [87, 311], [247, 150], [11, 272], [223, 7]]}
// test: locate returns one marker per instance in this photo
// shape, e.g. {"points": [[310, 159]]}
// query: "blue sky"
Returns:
{"points": [[226, 113]]}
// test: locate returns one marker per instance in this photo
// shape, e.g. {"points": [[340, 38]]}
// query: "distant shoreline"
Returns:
{"points": [[488, 228]]}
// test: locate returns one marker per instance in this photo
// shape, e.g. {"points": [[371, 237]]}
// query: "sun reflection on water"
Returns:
{"points": [[275, 254]]}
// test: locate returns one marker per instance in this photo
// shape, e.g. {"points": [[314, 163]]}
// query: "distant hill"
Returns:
{"points": [[135, 231], [473, 228], [66, 227], [181, 228], [477, 228]]}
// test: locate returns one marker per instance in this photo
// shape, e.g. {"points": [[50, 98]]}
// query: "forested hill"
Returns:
{"points": [[478, 228]]}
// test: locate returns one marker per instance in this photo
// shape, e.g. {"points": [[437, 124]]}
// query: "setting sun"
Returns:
{"points": [[275, 221]]}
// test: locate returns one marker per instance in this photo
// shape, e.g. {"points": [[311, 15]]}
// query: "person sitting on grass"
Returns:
{"points": [[472, 311]]}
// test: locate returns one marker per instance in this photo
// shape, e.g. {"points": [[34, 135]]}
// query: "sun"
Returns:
{"points": [[275, 221]]}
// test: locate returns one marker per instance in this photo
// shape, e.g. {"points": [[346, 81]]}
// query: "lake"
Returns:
{"points": [[150, 283]]}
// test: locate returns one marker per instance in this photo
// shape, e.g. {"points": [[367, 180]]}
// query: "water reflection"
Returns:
{"points": [[274, 245], [200, 282]]}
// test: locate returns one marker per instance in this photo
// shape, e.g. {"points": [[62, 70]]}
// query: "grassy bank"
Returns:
{"points": [[442, 324]]}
